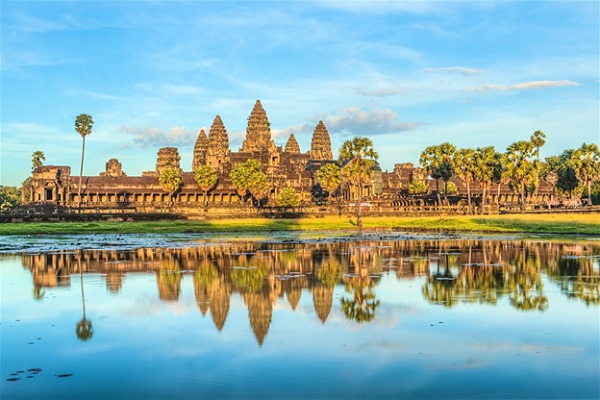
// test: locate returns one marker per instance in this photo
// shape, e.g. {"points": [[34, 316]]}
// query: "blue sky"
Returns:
{"points": [[406, 74]]}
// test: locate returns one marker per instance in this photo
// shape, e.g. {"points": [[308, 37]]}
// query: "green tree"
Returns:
{"points": [[37, 159], [9, 197], [465, 168], [521, 169], [83, 126], [288, 198], [170, 180], [567, 174], [485, 163], [248, 177], [417, 187], [501, 172], [437, 161], [329, 177], [537, 140], [450, 188], [587, 166], [358, 159], [206, 177]]}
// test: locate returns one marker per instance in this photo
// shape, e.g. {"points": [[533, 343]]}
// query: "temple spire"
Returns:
{"points": [[218, 144], [200, 150], [292, 145], [258, 132], [320, 146]]}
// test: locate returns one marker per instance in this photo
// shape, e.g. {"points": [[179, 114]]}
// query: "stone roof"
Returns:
{"points": [[258, 132]]}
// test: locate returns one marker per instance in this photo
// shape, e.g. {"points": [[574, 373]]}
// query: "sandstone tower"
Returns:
{"points": [[167, 157], [218, 145], [320, 146], [292, 145], [200, 150], [258, 132]]}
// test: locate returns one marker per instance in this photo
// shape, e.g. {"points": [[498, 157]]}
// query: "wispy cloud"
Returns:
{"points": [[524, 86], [462, 70], [284, 134], [380, 92], [356, 121], [156, 137]]}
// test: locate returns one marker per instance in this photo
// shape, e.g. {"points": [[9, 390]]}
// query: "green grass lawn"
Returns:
{"points": [[584, 224]]}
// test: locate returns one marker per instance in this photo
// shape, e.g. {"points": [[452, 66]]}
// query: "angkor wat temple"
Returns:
{"points": [[284, 167]]}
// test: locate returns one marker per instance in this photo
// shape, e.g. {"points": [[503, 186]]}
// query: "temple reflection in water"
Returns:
{"points": [[451, 272]]}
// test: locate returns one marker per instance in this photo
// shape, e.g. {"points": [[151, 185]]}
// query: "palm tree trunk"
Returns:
{"points": [[498, 197], [469, 196], [589, 188], [522, 196], [358, 206], [80, 175], [483, 199], [437, 191]]}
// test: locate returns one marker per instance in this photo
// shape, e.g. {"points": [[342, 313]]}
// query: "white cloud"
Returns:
{"points": [[380, 92], [355, 121], [524, 86], [463, 70], [156, 137]]}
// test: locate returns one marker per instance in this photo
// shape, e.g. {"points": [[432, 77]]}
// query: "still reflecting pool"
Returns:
{"points": [[112, 316]]}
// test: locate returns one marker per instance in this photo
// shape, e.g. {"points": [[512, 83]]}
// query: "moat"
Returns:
{"points": [[288, 316]]}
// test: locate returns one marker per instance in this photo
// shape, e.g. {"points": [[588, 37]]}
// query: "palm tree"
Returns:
{"points": [[587, 166], [170, 179], [501, 172], [485, 162], [437, 161], [206, 177], [464, 167], [567, 173], [37, 159], [84, 329], [329, 177], [83, 126], [358, 158], [537, 140], [248, 177], [522, 170]]}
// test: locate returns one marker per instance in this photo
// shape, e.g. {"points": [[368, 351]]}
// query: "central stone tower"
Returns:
{"points": [[258, 132]]}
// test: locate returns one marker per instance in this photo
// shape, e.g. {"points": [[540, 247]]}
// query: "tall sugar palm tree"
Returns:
{"points": [[83, 126], [522, 169], [587, 167], [438, 162], [37, 159], [329, 177], [485, 162], [206, 177], [170, 179], [464, 167], [358, 158], [537, 140]]}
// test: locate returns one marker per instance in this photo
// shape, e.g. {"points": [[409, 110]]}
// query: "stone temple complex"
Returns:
{"points": [[285, 167]]}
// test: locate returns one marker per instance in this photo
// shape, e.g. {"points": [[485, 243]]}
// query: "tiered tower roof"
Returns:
{"points": [[292, 145], [258, 132], [200, 150], [218, 141], [320, 146]]}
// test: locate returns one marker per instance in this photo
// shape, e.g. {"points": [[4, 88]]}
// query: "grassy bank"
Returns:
{"points": [[584, 224]]}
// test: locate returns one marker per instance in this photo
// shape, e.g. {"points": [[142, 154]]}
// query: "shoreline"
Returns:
{"points": [[559, 224]]}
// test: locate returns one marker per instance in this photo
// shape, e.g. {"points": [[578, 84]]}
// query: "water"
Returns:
{"points": [[220, 317]]}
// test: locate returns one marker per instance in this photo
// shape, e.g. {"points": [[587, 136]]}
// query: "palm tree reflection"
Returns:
{"points": [[83, 329], [362, 305]]}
